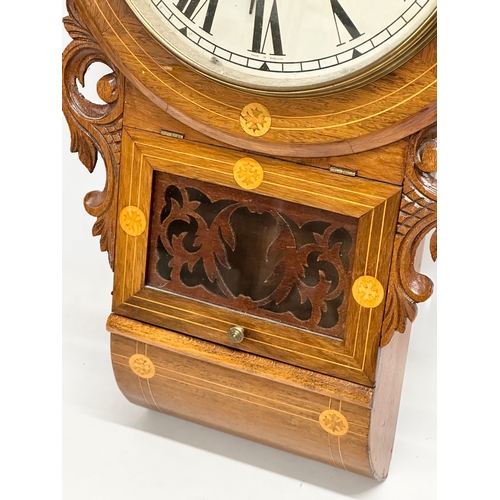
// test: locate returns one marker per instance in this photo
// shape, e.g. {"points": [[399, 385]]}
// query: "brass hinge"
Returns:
{"points": [[174, 135], [343, 171]]}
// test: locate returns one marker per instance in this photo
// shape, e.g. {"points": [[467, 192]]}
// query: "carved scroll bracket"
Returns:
{"points": [[94, 127], [417, 218]]}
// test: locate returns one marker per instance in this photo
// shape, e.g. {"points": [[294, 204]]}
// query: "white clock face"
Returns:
{"points": [[290, 45]]}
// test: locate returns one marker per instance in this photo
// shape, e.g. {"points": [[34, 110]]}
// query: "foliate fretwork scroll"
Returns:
{"points": [[270, 258], [94, 127], [417, 217]]}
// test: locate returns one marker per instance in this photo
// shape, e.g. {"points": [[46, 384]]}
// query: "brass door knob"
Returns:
{"points": [[236, 334]]}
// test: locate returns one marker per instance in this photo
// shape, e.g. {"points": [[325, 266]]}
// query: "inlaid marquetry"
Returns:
{"points": [[313, 415], [255, 119], [333, 422], [132, 220], [332, 334], [360, 119], [368, 291], [142, 366], [248, 173]]}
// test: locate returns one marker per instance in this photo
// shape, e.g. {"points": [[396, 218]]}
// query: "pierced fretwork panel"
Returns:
{"points": [[270, 258]]}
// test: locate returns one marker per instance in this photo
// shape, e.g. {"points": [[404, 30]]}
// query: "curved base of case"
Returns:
{"points": [[323, 418]]}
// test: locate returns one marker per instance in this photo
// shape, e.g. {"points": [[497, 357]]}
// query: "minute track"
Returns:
{"points": [[249, 44], [273, 66]]}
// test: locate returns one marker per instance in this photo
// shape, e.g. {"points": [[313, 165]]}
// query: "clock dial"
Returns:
{"points": [[290, 46]]}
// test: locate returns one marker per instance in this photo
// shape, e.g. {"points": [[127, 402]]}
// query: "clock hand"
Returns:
{"points": [[252, 3]]}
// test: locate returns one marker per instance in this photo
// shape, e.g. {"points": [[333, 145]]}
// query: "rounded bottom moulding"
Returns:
{"points": [[323, 418]]}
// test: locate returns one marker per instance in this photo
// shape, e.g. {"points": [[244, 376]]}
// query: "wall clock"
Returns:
{"points": [[265, 199]]}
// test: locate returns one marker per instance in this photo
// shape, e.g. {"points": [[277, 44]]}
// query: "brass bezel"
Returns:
{"points": [[412, 46], [393, 60]]}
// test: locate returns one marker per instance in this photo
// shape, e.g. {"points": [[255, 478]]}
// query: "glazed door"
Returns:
{"points": [[281, 260]]}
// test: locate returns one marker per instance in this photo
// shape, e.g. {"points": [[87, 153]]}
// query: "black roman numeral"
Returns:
{"points": [[341, 14], [273, 24], [190, 9]]}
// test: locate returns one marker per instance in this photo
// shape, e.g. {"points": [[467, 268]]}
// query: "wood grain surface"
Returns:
{"points": [[266, 401], [381, 163], [373, 205], [377, 114]]}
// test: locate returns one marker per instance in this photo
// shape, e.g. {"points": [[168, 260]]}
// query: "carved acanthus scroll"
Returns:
{"points": [[94, 127], [417, 217]]}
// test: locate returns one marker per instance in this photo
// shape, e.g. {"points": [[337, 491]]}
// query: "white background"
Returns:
{"points": [[112, 449]]}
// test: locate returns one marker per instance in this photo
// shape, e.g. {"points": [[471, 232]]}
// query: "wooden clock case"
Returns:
{"points": [[357, 167]]}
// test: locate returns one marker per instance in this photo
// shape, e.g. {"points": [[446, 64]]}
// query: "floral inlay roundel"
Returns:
{"points": [[248, 173], [255, 119], [334, 422], [142, 366], [132, 220], [368, 291]]}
